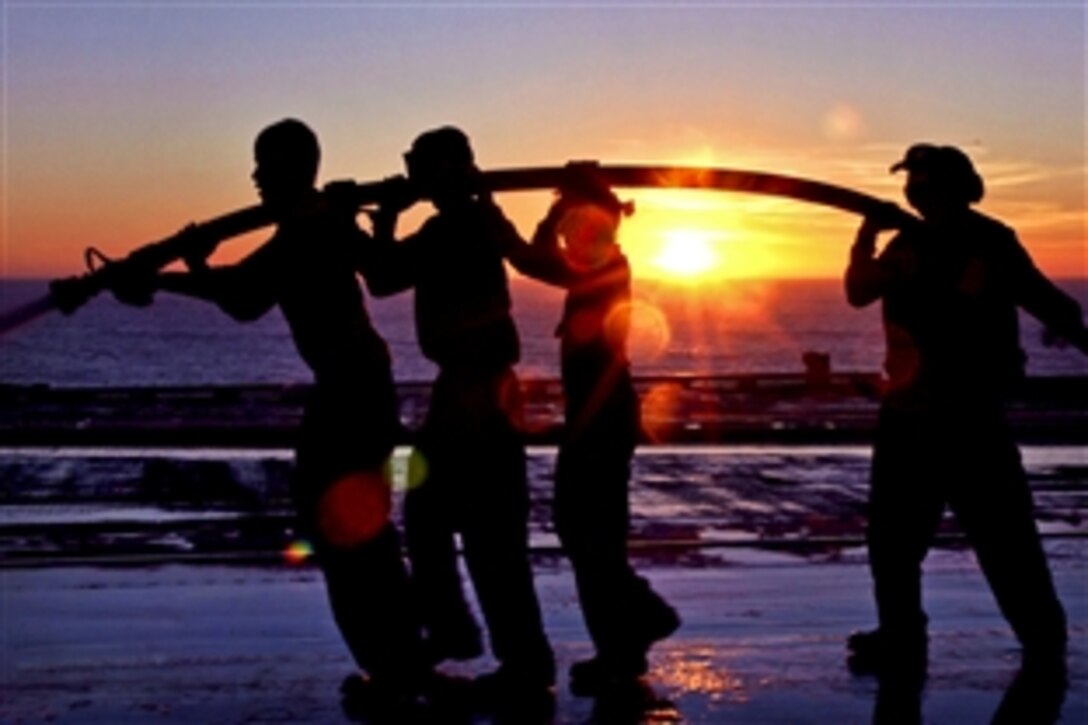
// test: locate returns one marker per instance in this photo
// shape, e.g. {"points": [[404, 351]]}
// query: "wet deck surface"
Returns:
{"points": [[63, 505], [762, 642]]}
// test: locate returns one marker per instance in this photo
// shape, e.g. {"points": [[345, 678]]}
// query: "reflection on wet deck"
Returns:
{"points": [[760, 643], [694, 670], [687, 502]]}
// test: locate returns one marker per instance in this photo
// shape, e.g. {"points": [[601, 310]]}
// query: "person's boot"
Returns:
{"points": [[363, 698], [658, 621], [598, 675], [622, 667], [460, 642], [875, 652]]}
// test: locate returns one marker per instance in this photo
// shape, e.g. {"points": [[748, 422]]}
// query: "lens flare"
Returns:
{"points": [[297, 552], [589, 233], [648, 329], [418, 468], [355, 508], [843, 122], [660, 409]]}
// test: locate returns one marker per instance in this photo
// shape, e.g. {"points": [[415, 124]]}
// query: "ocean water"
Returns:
{"points": [[732, 327]]}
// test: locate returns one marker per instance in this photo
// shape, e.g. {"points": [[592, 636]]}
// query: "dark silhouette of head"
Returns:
{"points": [[593, 211], [941, 180], [441, 166], [584, 185], [287, 155]]}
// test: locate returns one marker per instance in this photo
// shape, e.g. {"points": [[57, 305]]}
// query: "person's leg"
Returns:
{"points": [[359, 552], [905, 509], [430, 521], [623, 615], [371, 601], [452, 631], [494, 482], [994, 506], [342, 491], [590, 522], [496, 550]]}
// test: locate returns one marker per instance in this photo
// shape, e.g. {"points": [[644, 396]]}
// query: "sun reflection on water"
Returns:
{"points": [[696, 670]]}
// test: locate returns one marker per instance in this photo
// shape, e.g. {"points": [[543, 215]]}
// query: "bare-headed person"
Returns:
{"points": [[341, 488]]}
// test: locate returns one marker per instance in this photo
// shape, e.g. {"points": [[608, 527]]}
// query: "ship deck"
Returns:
{"points": [[762, 642]]}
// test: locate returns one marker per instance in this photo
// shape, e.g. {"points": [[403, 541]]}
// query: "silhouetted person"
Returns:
{"points": [[476, 482], [950, 287], [308, 269], [623, 614]]}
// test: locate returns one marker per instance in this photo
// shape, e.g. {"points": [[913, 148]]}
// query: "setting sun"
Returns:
{"points": [[694, 238], [687, 253]]}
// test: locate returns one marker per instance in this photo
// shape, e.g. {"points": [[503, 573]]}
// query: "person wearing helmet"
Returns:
{"points": [[602, 424], [950, 287], [470, 445]]}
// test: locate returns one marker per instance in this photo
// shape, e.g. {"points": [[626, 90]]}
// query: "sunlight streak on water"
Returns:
{"points": [[693, 670]]}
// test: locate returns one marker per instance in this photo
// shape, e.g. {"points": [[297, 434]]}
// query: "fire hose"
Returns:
{"points": [[69, 294]]}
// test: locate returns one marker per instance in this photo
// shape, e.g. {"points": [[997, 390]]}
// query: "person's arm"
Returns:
{"points": [[868, 275], [243, 290], [1061, 315], [389, 266], [384, 268], [541, 259]]}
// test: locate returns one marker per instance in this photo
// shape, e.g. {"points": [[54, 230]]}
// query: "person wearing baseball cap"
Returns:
{"points": [[939, 172], [950, 286]]}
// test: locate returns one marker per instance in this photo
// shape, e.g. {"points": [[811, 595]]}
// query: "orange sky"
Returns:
{"points": [[691, 236], [122, 124]]}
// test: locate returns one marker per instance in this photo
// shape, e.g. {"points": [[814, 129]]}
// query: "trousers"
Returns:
{"points": [[960, 455], [474, 483]]}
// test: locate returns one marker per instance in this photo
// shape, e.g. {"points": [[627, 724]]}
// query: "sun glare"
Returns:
{"points": [[687, 254]]}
